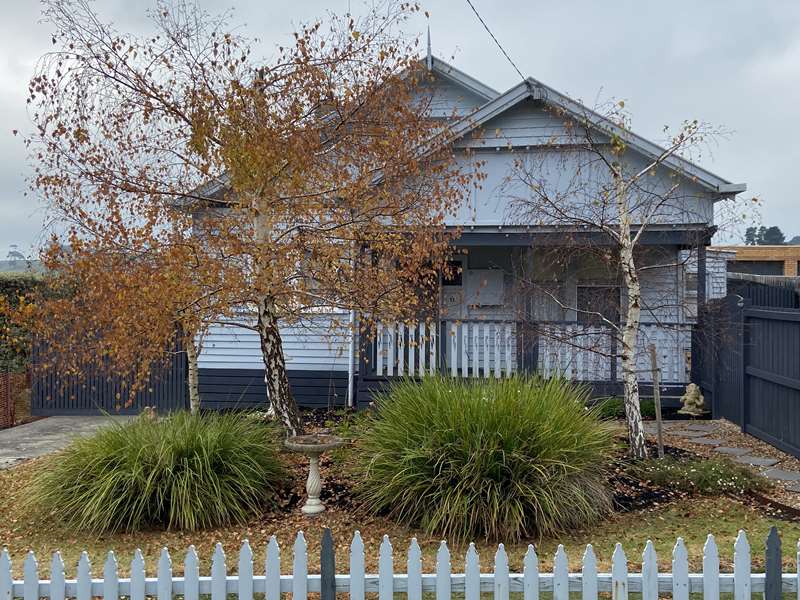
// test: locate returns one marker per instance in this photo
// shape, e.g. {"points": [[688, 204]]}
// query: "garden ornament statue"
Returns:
{"points": [[313, 446], [693, 402]]}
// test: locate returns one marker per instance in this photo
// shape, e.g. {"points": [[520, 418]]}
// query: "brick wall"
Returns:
{"points": [[10, 385], [788, 255]]}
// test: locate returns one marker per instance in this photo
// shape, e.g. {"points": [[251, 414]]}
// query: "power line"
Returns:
{"points": [[489, 31]]}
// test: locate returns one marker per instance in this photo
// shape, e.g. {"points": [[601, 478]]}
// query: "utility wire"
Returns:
{"points": [[489, 31]]}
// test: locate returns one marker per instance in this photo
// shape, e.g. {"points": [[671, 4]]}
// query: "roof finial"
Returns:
{"points": [[429, 58]]}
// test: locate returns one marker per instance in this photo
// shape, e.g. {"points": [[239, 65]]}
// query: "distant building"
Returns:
{"points": [[764, 260], [16, 262]]}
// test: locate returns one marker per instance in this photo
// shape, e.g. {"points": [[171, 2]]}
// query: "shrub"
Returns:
{"points": [[614, 408], [15, 338], [183, 471], [501, 459], [708, 476]]}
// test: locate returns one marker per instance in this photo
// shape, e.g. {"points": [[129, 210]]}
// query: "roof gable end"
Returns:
{"points": [[534, 89]]}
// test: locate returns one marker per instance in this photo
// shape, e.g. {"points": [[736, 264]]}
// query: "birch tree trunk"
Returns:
{"points": [[281, 401], [630, 330], [194, 385]]}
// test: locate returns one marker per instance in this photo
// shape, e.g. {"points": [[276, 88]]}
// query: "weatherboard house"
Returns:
{"points": [[488, 325], [511, 307]]}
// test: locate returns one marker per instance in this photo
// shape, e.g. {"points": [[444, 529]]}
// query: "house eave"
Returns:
{"points": [[686, 235]]}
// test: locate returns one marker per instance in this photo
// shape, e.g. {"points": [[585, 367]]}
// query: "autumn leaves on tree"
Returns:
{"points": [[201, 186]]}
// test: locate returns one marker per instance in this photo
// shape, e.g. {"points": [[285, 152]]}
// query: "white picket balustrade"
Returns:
{"points": [[489, 348], [469, 348], [443, 582], [582, 352]]}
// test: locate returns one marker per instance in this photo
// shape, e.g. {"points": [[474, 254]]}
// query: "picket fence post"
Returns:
{"points": [[560, 574], [472, 574], [530, 574], [245, 572], [138, 575], [442, 572], [414, 571], [680, 571], [589, 574], [619, 574], [110, 580], [272, 570], [501, 574], [741, 568], [84, 583], [191, 575], [300, 569], [385, 570], [31, 574], [649, 572], [711, 569], [58, 583]]}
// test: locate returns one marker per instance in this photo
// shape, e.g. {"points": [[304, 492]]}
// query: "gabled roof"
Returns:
{"points": [[449, 72], [531, 88]]}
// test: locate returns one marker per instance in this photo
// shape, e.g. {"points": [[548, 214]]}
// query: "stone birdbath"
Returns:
{"points": [[313, 445]]}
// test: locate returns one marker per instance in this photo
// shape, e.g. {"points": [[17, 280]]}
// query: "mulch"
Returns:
{"points": [[629, 493]]}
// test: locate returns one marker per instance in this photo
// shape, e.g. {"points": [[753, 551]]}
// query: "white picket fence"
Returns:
{"points": [[409, 580]]}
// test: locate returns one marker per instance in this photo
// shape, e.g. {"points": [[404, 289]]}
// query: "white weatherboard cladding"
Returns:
{"points": [[448, 99], [528, 123], [320, 343], [716, 270], [521, 134]]}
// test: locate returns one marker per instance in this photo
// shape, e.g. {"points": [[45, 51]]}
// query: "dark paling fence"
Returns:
{"points": [[764, 294], [750, 369], [99, 390]]}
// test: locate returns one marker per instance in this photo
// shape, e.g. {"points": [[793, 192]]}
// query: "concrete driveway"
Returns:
{"points": [[46, 435]]}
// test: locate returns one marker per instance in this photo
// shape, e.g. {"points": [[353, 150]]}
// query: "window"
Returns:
{"points": [[456, 277], [756, 267], [597, 304]]}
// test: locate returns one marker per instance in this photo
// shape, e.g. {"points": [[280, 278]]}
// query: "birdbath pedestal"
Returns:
{"points": [[313, 445]]}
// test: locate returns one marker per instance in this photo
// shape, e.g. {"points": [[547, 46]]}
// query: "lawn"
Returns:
{"points": [[22, 530]]}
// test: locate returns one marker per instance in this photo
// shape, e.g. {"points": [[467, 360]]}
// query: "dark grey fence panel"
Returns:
{"points": [[772, 376], [717, 350], [99, 390], [762, 294], [750, 369]]}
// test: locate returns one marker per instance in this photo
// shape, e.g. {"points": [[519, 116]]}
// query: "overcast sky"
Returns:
{"points": [[733, 63]]}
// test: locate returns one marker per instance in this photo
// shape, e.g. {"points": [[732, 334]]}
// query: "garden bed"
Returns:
{"points": [[781, 494], [643, 511]]}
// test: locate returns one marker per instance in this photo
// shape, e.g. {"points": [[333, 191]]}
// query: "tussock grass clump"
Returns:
{"points": [[181, 472], [706, 476], [499, 459]]}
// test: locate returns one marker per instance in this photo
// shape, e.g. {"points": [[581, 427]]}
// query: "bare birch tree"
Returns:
{"points": [[599, 195]]}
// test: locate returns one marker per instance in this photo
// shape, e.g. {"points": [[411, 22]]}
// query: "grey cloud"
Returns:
{"points": [[734, 63]]}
